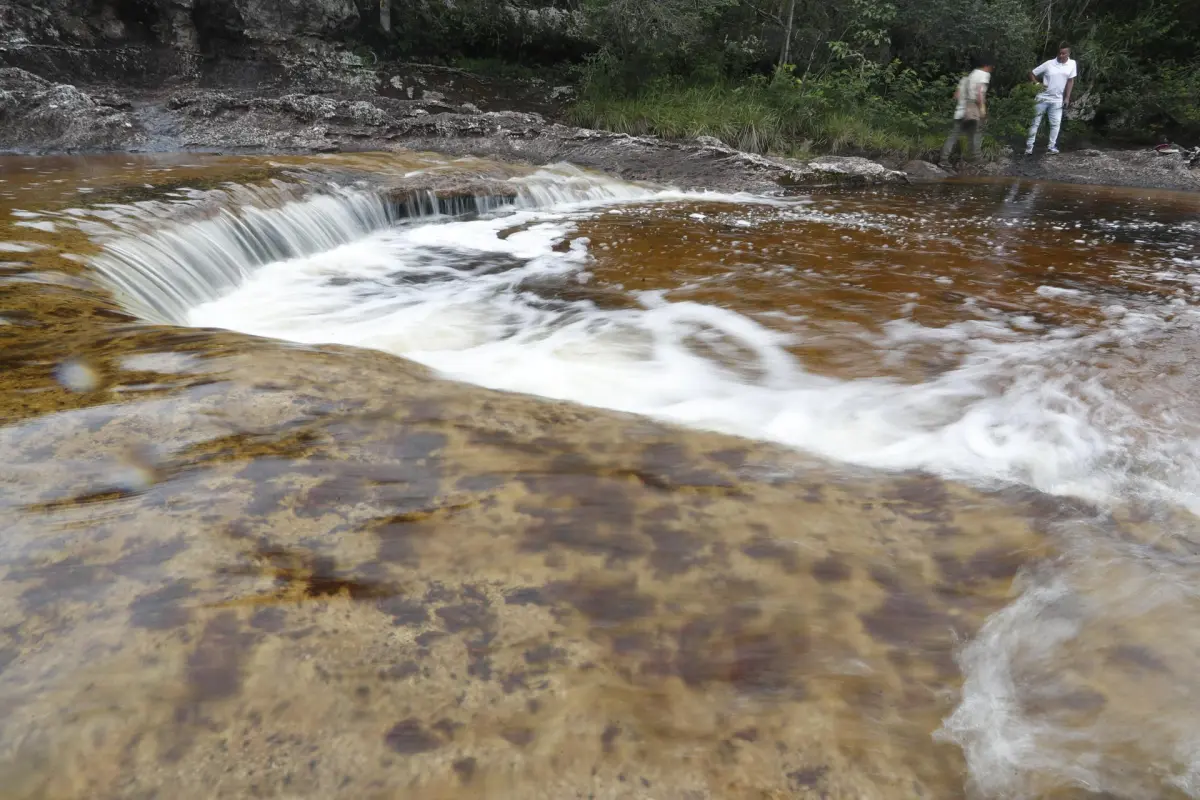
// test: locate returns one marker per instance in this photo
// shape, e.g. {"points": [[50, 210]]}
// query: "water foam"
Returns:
{"points": [[161, 275], [1086, 681], [481, 299], [1011, 412]]}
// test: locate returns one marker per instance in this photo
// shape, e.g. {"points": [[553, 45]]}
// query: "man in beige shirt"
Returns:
{"points": [[971, 109]]}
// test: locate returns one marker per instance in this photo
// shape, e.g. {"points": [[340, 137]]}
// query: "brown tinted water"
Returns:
{"points": [[234, 565]]}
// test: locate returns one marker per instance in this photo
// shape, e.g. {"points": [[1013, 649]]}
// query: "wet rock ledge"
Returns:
{"points": [[40, 116]]}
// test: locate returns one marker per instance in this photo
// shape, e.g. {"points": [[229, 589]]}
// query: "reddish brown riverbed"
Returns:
{"points": [[588, 490]]}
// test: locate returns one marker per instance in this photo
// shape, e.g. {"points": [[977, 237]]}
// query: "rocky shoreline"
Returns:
{"points": [[81, 76], [1136, 169], [39, 116]]}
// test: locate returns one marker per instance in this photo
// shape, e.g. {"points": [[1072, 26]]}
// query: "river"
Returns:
{"points": [[400, 475]]}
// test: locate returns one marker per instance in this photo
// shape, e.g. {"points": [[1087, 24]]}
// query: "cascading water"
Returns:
{"points": [[161, 275], [996, 344], [500, 290], [526, 290]]}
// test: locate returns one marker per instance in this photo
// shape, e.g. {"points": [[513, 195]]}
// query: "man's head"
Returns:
{"points": [[1064, 53], [985, 62]]}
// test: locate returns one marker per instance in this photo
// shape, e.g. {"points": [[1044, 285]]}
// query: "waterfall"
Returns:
{"points": [[159, 268], [159, 275]]}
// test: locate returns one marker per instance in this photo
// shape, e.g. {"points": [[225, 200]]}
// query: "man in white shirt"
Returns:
{"points": [[1057, 77], [971, 109]]}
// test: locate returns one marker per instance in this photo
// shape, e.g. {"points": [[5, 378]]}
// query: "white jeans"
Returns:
{"points": [[1055, 109]]}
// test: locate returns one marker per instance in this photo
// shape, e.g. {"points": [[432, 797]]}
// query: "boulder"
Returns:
{"points": [[918, 170]]}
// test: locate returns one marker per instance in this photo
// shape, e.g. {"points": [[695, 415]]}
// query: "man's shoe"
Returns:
{"points": [[1029, 152], [1053, 151]]}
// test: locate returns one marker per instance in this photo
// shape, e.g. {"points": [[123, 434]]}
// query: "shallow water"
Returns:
{"points": [[904, 506]]}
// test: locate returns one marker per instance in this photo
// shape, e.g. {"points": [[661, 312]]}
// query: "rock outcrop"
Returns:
{"points": [[918, 170], [1143, 169], [41, 117], [312, 45]]}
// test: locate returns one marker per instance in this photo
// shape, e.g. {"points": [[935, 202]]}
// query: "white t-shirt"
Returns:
{"points": [[1054, 75], [969, 87]]}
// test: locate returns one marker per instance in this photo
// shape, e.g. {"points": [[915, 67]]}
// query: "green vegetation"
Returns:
{"points": [[848, 76], [897, 115]]}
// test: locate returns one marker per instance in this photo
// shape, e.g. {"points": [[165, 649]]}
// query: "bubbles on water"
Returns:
{"points": [[78, 375], [137, 469]]}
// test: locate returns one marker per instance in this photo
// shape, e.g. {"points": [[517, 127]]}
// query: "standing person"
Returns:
{"points": [[1057, 77], [971, 109]]}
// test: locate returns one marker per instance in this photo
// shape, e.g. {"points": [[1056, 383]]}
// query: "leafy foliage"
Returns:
{"points": [[844, 75]]}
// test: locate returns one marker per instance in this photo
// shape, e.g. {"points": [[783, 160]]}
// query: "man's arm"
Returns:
{"points": [[1067, 92], [1037, 71]]}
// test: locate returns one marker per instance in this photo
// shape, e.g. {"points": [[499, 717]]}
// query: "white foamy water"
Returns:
{"points": [[484, 295], [477, 300], [456, 297], [1087, 680], [502, 294]]}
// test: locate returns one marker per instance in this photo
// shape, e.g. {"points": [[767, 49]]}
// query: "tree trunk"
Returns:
{"points": [[785, 53]]}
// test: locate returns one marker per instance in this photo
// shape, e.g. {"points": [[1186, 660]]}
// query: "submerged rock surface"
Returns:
{"points": [[236, 567]]}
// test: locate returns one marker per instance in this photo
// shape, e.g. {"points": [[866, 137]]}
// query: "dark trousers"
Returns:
{"points": [[964, 127]]}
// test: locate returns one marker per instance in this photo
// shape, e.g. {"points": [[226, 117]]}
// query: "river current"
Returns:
{"points": [[1014, 344]]}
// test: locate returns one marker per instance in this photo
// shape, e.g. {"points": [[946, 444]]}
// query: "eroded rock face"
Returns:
{"points": [[279, 20], [152, 42], [91, 23], [35, 112], [106, 41]]}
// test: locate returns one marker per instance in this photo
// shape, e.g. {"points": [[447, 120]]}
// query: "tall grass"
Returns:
{"points": [[739, 119], [781, 117]]}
